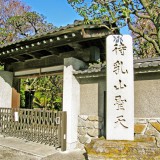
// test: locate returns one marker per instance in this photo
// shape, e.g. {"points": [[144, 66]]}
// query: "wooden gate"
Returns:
{"points": [[42, 126]]}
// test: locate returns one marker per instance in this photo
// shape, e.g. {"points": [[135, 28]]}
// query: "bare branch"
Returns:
{"points": [[145, 36]]}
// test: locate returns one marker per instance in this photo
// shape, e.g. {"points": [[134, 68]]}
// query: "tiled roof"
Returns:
{"points": [[148, 62], [93, 68], [74, 37], [139, 65], [55, 32]]}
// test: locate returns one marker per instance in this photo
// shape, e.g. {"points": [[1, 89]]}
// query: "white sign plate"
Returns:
{"points": [[16, 117]]}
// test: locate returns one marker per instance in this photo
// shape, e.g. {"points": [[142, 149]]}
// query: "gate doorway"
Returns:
{"points": [[42, 91], [39, 118], [41, 126]]}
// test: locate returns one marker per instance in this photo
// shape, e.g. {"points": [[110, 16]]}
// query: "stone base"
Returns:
{"points": [[102, 149], [147, 130], [89, 127]]}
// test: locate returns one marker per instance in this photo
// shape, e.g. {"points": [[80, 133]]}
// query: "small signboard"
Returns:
{"points": [[120, 88], [16, 117]]}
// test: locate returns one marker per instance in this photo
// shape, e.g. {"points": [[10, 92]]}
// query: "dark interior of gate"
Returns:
{"points": [[44, 55]]}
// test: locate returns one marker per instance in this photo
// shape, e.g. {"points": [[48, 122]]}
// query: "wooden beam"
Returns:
{"points": [[18, 58], [76, 46], [39, 71]]}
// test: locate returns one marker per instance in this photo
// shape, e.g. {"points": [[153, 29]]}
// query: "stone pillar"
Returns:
{"points": [[71, 99], [6, 80]]}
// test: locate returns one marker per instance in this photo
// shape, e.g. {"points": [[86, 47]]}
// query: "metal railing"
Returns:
{"points": [[42, 126]]}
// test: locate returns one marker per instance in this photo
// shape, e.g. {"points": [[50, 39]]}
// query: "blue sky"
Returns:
{"points": [[58, 12]]}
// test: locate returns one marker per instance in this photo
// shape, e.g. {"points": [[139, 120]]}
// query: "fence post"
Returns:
{"points": [[58, 123], [63, 130]]}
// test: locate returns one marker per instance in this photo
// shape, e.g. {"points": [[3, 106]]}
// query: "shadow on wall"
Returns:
{"points": [[6, 81], [6, 77]]}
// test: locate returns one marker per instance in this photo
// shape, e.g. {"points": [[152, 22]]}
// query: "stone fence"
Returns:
{"points": [[146, 131]]}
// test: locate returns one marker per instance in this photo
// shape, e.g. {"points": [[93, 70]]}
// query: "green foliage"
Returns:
{"points": [[48, 91], [1, 68], [141, 16]]}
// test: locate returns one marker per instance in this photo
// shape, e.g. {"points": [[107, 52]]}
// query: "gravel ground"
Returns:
{"points": [[10, 154], [72, 155]]}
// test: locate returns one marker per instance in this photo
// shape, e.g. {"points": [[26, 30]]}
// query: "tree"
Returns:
{"points": [[8, 9], [29, 23], [141, 16], [17, 21]]}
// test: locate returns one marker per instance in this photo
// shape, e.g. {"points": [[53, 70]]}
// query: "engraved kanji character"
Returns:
{"points": [[120, 102], [120, 85], [121, 120], [118, 67], [119, 46]]}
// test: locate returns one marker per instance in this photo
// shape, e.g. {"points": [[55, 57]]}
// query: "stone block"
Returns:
{"points": [[84, 139], [151, 131], [81, 130], [156, 125], [93, 132], [81, 123], [158, 141], [96, 125], [84, 117], [145, 138], [152, 120], [89, 124], [93, 118], [138, 120], [139, 128]]}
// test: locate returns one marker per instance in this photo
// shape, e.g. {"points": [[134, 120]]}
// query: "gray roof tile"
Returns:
{"points": [[138, 64], [45, 34]]}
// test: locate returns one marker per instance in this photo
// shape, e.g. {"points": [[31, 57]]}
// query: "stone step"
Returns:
{"points": [[102, 149]]}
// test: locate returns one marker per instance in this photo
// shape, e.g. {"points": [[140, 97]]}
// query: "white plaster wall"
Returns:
{"points": [[92, 95], [6, 79], [71, 99], [147, 98], [89, 99]]}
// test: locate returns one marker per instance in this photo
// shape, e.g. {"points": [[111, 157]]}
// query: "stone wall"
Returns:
{"points": [[92, 126], [147, 130], [146, 144], [89, 127]]}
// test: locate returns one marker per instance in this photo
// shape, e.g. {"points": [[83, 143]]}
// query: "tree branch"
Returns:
{"points": [[146, 37], [146, 6], [142, 15]]}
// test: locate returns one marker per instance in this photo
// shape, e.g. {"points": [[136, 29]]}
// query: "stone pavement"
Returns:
{"points": [[19, 149]]}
